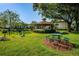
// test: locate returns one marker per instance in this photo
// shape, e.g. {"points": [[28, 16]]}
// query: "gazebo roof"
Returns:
{"points": [[44, 22]]}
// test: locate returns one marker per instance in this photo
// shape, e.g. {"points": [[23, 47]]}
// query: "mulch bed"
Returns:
{"points": [[59, 45], [3, 38]]}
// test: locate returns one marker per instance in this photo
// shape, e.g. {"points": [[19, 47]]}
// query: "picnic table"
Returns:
{"points": [[56, 35]]}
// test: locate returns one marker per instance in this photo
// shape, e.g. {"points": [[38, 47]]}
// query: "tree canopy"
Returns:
{"points": [[65, 11], [9, 18]]}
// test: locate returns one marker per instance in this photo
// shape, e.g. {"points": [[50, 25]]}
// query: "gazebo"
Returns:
{"points": [[43, 25]]}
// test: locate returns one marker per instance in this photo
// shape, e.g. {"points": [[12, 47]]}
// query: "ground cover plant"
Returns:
{"points": [[32, 45]]}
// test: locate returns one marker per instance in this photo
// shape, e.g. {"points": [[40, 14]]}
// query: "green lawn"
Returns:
{"points": [[32, 45]]}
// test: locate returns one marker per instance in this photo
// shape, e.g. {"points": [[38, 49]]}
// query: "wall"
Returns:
{"points": [[62, 25]]}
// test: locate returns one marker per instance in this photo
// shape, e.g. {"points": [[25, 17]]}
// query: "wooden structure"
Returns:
{"points": [[62, 25], [43, 25]]}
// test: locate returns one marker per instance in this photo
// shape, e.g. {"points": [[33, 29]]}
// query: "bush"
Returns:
{"points": [[44, 31], [49, 31], [39, 30], [4, 31], [64, 33], [50, 37]]}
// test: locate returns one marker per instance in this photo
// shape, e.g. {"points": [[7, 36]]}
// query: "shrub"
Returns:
{"points": [[49, 31], [64, 33], [44, 31], [39, 30]]}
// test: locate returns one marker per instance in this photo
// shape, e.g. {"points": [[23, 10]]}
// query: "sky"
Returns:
{"points": [[25, 10]]}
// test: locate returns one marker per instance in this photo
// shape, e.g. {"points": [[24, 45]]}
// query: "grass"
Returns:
{"points": [[32, 45]]}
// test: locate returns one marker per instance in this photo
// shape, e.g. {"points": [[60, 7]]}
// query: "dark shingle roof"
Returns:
{"points": [[45, 22]]}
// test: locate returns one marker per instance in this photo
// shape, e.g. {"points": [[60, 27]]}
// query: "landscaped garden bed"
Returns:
{"points": [[3, 38], [58, 43]]}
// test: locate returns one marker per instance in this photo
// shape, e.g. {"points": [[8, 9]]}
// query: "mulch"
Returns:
{"points": [[3, 38], [59, 45]]}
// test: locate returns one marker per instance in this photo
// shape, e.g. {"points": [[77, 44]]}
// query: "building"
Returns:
{"points": [[62, 24], [43, 25]]}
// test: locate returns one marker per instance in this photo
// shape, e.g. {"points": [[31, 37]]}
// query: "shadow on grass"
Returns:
{"points": [[75, 32], [75, 45], [28, 32]]}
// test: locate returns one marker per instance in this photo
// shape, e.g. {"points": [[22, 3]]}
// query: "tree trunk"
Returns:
{"points": [[76, 19], [76, 25], [4, 34], [69, 27]]}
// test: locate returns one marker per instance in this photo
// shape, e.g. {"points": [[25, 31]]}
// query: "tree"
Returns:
{"points": [[9, 19], [75, 10], [56, 11], [76, 13], [33, 24], [66, 13]]}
